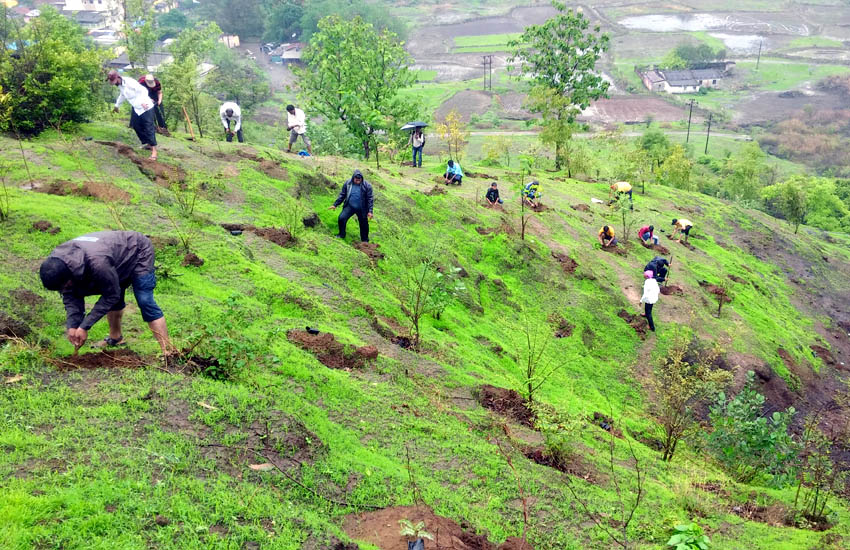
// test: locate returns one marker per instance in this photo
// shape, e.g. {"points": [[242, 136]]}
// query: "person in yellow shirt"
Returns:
{"points": [[606, 237], [620, 188], [681, 225]]}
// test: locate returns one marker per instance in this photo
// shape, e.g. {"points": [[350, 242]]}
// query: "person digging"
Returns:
{"points": [[105, 264], [492, 196], [618, 189], [681, 225], [454, 173], [296, 123], [531, 194], [356, 198], [658, 267], [606, 237], [142, 115], [647, 234]]}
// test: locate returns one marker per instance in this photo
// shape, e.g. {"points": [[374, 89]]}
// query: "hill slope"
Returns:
{"points": [[155, 456]]}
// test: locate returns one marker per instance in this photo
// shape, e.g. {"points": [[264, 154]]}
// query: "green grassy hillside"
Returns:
{"points": [[150, 457]]}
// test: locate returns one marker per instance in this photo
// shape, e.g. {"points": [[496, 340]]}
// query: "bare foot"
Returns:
{"points": [[153, 157]]}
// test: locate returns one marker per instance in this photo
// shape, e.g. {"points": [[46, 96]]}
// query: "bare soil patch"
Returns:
{"points": [[824, 354], [633, 110], [106, 359], [507, 403], [330, 352], [616, 249], [672, 290], [105, 192], [392, 331], [277, 235], [436, 190], [46, 227], [573, 466], [580, 207], [158, 172], [12, 328], [662, 250], [635, 321], [381, 528], [715, 290], [371, 250], [467, 103], [26, 297], [311, 221], [192, 259], [563, 328], [567, 264]]}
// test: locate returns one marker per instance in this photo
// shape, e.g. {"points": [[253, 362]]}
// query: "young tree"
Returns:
{"points": [[200, 41], [534, 359], [237, 79], [623, 205], [454, 132], [656, 145], [790, 199], [558, 121], [283, 20], [354, 74], [140, 32], [54, 75], [744, 171], [183, 81], [681, 381], [677, 169], [559, 58]]}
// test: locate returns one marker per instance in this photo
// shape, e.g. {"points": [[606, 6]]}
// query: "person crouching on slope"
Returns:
{"points": [[142, 116], [682, 225], [105, 264], [650, 297], [646, 234], [356, 198], [606, 237], [492, 195], [453, 174]]}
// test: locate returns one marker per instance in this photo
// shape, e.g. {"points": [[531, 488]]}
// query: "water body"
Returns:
{"points": [[741, 43], [710, 22]]}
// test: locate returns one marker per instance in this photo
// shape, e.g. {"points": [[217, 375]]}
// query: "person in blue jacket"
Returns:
{"points": [[453, 173], [356, 198]]}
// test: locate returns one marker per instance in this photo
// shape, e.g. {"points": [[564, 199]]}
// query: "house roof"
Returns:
{"points": [[707, 74], [89, 17], [654, 76]]}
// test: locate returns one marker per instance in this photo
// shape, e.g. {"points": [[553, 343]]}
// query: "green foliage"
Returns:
{"points": [[200, 41], [238, 79], [656, 145], [673, 61], [788, 199], [676, 170], [283, 20], [54, 78], [140, 32], [171, 23], [751, 447], [454, 132], [415, 531], [330, 138], [682, 380], [686, 56], [689, 537], [221, 338], [353, 75], [559, 58], [497, 151], [743, 174], [374, 14], [822, 475], [242, 17]]}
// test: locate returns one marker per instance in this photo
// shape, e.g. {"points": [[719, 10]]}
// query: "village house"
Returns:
{"points": [[685, 81], [287, 53]]}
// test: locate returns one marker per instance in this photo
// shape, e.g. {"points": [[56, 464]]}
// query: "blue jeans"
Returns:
{"points": [[646, 238], [143, 286], [418, 151]]}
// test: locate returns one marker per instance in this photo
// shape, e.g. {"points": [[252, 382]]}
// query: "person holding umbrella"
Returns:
{"points": [[417, 140]]}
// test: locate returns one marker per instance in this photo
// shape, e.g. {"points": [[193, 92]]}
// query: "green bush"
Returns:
{"points": [[54, 76], [689, 537], [752, 447]]}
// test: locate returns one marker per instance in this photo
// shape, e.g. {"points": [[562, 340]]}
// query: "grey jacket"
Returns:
{"points": [[345, 192], [104, 264]]}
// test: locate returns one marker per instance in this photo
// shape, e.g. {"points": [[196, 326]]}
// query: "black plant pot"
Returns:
{"points": [[416, 545]]}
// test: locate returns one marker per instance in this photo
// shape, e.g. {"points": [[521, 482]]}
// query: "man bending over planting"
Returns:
{"points": [[105, 264]]}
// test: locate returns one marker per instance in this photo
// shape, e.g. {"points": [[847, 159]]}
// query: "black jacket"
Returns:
{"points": [[492, 194], [368, 196]]}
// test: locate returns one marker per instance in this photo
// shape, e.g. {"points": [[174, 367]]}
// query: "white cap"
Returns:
{"points": [[149, 79]]}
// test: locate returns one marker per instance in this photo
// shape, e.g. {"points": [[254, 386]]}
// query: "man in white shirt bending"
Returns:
{"points": [[228, 112], [142, 117], [296, 123]]}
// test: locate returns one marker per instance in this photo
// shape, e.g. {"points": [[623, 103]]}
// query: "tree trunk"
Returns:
{"points": [[558, 155], [366, 149]]}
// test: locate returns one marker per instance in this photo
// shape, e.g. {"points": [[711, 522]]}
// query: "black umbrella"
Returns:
{"points": [[414, 124]]}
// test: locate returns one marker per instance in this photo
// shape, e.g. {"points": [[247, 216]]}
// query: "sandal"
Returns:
{"points": [[110, 343]]}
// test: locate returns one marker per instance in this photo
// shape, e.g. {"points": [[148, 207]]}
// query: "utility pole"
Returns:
{"points": [[488, 69], [691, 112], [708, 133], [758, 59]]}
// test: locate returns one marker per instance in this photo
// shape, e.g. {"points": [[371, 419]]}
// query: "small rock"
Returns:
{"points": [[311, 221], [161, 520], [192, 259]]}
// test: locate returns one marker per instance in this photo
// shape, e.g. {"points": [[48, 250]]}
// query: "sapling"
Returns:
{"points": [[416, 532], [722, 294]]}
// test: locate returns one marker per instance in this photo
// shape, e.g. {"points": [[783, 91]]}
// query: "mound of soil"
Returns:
{"points": [[381, 528], [563, 328], [580, 207], [370, 249], [105, 192], [737, 279], [567, 264], [479, 175], [156, 171], [278, 236], [713, 487], [616, 249], [192, 259], [273, 170], [311, 221], [45, 227], [331, 353], [25, 297], [672, 290], [635, 321], [824, 354], [506, 403], [484, 230], [436, 190], [662, 250], [105, 359], [574, 466], [716, 290], [12, 328], [540, 208]]}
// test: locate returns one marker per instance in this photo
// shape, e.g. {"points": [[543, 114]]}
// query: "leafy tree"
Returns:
{"points": [[283, 20], [825, 208], [242, 17], [497, 151], [624, 206], [237, 79], [681, 381], [559, 58], [55, 76], [452, 130], [183, 82], [695, 56], [674, 61], [821, 473], [558, 121], [677, 169], [354, 74], [140, 32], [374, 13], [657, 146], [744, 171], [750, 446], [789, 199], [200, 41], [171, 23]]}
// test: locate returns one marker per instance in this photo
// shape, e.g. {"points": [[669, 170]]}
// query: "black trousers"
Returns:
{"points": [[144, 126], [648, 311], [160, 118], [362, 219], [238, 136]]}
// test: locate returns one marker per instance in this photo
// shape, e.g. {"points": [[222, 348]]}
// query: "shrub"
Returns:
{"points": [[689, 537], [54, 76], [752, 447]]}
